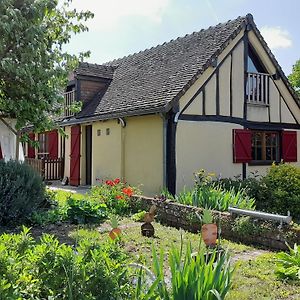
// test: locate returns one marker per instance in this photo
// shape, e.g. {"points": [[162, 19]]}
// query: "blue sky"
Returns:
{"points": [[122, 27]]}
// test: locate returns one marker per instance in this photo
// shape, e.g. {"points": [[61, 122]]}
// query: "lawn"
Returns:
{"points": [[254, 276]]}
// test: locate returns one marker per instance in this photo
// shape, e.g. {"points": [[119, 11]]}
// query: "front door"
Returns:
{"points": [[88, 147], [75, 155]]}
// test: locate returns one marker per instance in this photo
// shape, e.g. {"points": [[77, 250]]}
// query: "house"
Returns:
{"points": [[216, 99], [8, 140]]}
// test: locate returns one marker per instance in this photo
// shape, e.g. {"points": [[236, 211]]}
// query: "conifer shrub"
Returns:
{"points": [[22, 192]]}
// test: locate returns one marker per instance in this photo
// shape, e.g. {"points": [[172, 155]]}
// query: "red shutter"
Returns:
{"points": [[1, 156], [53, 144], [75, 156], [241, 145], [289, 146], [31, 150]]}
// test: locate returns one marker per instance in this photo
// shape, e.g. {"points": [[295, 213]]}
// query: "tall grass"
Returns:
{"points": [[191, 278], [214, 197]]}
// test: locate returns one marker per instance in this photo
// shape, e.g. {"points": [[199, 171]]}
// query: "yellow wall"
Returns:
{"points": [[134, 153], [106, 151], [144, 153], [204, 145]]}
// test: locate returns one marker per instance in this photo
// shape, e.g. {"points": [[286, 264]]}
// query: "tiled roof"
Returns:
{"points": [[95, 70], [151, 80]]}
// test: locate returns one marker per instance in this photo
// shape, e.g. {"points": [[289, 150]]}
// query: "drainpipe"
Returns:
{"points": [[123, 125]]}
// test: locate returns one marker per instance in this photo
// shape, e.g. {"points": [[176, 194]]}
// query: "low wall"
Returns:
{"points": [[250, 231]]}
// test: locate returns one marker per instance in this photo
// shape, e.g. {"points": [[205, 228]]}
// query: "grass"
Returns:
{"points": [[254, 276]]}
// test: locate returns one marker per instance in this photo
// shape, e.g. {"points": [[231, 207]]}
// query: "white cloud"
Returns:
{"points": [[276, 37], [110, 13]]}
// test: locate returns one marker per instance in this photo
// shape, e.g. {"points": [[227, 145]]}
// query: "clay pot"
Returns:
{"points": [[147, 230], [114, 233], [209, 234]]}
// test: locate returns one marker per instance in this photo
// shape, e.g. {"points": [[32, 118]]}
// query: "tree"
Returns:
{"points": [[33, 65], [294, 77]]}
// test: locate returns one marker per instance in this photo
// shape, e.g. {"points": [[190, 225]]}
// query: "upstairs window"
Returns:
{"points": [[257, 81]]}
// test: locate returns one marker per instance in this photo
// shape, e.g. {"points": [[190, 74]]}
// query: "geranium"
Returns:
{"points": [[127, 191], [117, 181], [119, 197], [109, 182]]}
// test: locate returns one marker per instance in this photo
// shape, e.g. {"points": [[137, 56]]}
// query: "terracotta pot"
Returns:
{"points": [[114, 233], [209, 234]]}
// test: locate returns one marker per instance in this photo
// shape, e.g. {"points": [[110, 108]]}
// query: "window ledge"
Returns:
{"points": [[257, 104], [262, 162]]}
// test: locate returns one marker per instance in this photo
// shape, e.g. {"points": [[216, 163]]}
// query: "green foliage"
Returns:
{"points": [[281, 190], [34, 67], [294, 78], [22, 191], [214, 197], [114, 221], [85, 211], [49, 270], [139, 216], [207, 217], [245, 226], [115, 194], [288, 264], [192, 278]]}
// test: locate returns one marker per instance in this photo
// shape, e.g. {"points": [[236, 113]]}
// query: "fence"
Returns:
{"points": [[49, 169]]}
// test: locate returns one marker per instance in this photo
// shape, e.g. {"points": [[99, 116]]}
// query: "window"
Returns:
{"points": [[43, 145], [257, 80], [265, 146]]}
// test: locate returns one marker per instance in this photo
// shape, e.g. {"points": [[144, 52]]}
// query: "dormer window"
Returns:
{"points": [[257, 88]]}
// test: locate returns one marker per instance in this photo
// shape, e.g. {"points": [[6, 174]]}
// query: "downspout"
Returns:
{"points": [[123, 125]]}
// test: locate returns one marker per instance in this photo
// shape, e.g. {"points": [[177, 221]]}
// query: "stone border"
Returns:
{"points": [[263, 233]]}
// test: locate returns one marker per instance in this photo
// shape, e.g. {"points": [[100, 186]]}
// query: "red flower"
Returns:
{"points": [[109, 182], [127, 191], [117, 181], [119, 197]]}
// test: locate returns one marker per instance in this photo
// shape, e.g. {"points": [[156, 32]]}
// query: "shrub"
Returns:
{"points": [[281, 190], [115, 194], [22, 191], [85, 211], [139, 216], [288, 264], [192, 277], [49, 270]]}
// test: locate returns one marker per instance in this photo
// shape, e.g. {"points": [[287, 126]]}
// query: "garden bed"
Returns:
{"points": [[266, 234]]}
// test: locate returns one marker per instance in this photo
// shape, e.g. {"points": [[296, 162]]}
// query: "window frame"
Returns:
{"points": [[264, 148], [43, 149]]}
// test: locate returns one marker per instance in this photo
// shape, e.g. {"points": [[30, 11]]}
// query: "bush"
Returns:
{"points": [[281, 190], [22, 191], [85, 211], [115, 194], [49, 270]]}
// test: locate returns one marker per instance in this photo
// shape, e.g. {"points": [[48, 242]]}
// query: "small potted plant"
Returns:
{"points": [[116, 231], [209, 230]]}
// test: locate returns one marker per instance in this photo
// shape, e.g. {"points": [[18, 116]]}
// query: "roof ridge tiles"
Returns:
{"points": [[176, 39]]}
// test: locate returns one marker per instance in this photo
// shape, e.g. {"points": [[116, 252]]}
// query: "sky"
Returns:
{"points": [[123, 27]]}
